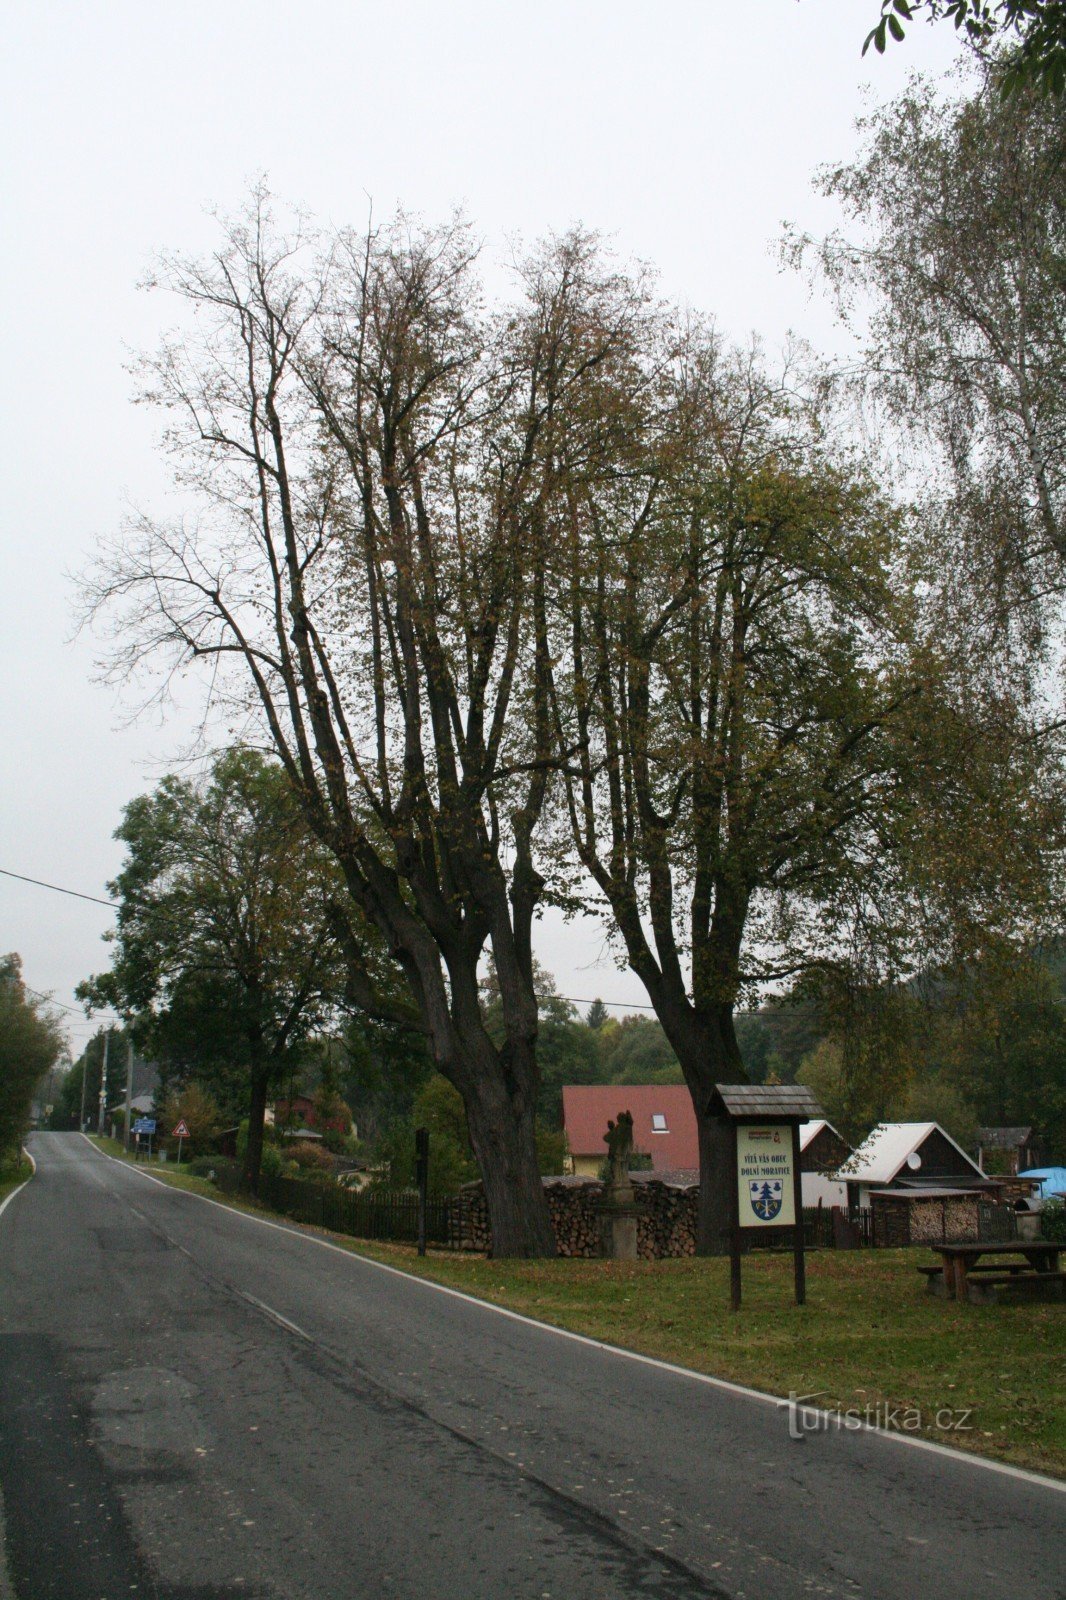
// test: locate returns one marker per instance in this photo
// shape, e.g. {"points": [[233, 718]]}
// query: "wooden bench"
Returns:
{"points": [[1013, 1267], [1001, 1269], [995, 1288]]}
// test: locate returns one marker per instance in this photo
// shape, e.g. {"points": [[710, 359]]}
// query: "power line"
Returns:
{"points": [[574, 1000], [612, 1005], [51, 1001], [55, 887]]}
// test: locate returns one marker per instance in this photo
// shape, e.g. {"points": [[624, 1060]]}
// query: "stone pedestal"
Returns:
{"points": [[618, 1223]]}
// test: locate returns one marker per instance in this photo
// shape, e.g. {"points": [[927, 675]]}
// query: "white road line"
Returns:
{"points": [[275, 1316], [18, 1190], [960, 1457]]}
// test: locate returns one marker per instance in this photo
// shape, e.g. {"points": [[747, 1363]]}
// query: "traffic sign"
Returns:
{"points": [[144, 1125], [181, 1131]]}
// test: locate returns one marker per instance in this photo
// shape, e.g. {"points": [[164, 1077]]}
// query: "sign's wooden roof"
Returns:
{"points": [[769, 1100]]}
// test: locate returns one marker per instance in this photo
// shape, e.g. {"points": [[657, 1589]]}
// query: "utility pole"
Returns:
{"points": [[84, 1086], [129, 1095], [103, 1085]]}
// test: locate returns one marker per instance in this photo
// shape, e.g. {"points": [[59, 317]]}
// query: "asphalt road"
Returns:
{"points": [[194, 1405]]}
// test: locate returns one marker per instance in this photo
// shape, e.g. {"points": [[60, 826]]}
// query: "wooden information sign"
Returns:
{"points": [[766, 1192]]}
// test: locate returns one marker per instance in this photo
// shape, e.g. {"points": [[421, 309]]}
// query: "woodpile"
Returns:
{"points": [[666, 1225], [573, 1205], [468, 1220], [666, 1220]]}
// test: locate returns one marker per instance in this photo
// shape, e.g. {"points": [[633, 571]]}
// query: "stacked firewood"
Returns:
{"points": [[573, 1208], [468, 1220], [666, 1217], [666, 1224]]}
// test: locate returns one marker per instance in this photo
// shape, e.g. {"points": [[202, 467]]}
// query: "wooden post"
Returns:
{"points": [[734, 1222], [797, 1185], [422, 1175]]}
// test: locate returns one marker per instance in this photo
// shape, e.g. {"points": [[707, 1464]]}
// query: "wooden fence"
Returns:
{"points": [[826, 1228], [393, 1215], [366, 1215]]}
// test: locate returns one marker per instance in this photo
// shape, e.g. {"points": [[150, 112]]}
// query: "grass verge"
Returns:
{"points": [[11, 1175], [170, 1173], [870, 1339]]}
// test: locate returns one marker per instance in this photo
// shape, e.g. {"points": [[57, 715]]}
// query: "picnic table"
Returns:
{"points": [[964, 1276]]}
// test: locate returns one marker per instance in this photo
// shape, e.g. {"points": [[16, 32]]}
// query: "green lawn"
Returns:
{"points": [[11, 1174], [869, 1336]]}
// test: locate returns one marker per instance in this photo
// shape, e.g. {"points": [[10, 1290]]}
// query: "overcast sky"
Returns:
{"points": [[688, 132]]}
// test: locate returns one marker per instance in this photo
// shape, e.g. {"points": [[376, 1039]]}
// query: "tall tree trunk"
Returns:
{"points": [[503, 1134], [498, 1085], [706, 1045], [716, 1182]]}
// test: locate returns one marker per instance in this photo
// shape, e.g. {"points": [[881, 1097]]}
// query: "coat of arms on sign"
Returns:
{"points": [[766, 1195]]}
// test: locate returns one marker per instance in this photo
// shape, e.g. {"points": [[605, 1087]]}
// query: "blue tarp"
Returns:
{"points": [[1052, 1179]]}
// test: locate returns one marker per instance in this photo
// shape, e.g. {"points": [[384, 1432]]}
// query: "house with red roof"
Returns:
{"points": [[664, 1124]]}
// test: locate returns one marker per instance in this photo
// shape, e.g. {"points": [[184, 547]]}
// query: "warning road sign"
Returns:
{"points": [[181, 1131]]}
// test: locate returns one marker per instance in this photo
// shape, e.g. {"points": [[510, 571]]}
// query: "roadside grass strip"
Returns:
{"points": [[870, 1345], [12, 1178]]}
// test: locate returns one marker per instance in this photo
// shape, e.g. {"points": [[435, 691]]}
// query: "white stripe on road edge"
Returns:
{"points": [[19, 1187], [294, 1230], [268, 1311]]}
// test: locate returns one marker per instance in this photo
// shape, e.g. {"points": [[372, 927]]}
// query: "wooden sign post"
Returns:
{"points": [[765, 1182], [422, 1180]]}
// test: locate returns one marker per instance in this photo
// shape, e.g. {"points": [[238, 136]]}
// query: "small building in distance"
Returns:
{"points": [[1009, 1150], [299, 1115], [664, 1125], [921, 1187], [822, 1151], [909, 1155]]}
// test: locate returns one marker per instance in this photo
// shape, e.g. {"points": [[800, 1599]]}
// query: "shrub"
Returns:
{"points": [[197, 1109], [551, 1150], [311, 1157], [272, 1162], [1053, 1221]]}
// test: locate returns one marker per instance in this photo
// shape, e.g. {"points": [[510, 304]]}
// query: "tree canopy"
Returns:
{"points": [[1031, 33], [226, 951], [31, 1042], [955, 236], [566, 602]]}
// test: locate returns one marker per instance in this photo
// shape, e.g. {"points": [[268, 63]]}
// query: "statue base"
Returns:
{"points": [[618, 1225]]}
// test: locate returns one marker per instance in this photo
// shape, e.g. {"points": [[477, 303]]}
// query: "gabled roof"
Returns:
{"points": [[1003, 1138], [883, 1153], [587, 1109], [809, 1131], [766, 1100], [142, 1104]]}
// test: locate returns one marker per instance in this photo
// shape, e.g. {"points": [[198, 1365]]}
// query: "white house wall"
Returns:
{"points": [[818, 1186]]}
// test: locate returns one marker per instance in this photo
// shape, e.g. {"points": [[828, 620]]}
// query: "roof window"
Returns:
{"points": [[658, 1122]]}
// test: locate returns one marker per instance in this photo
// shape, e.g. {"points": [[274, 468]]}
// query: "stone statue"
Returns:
{"points": [[619, 1142]]}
